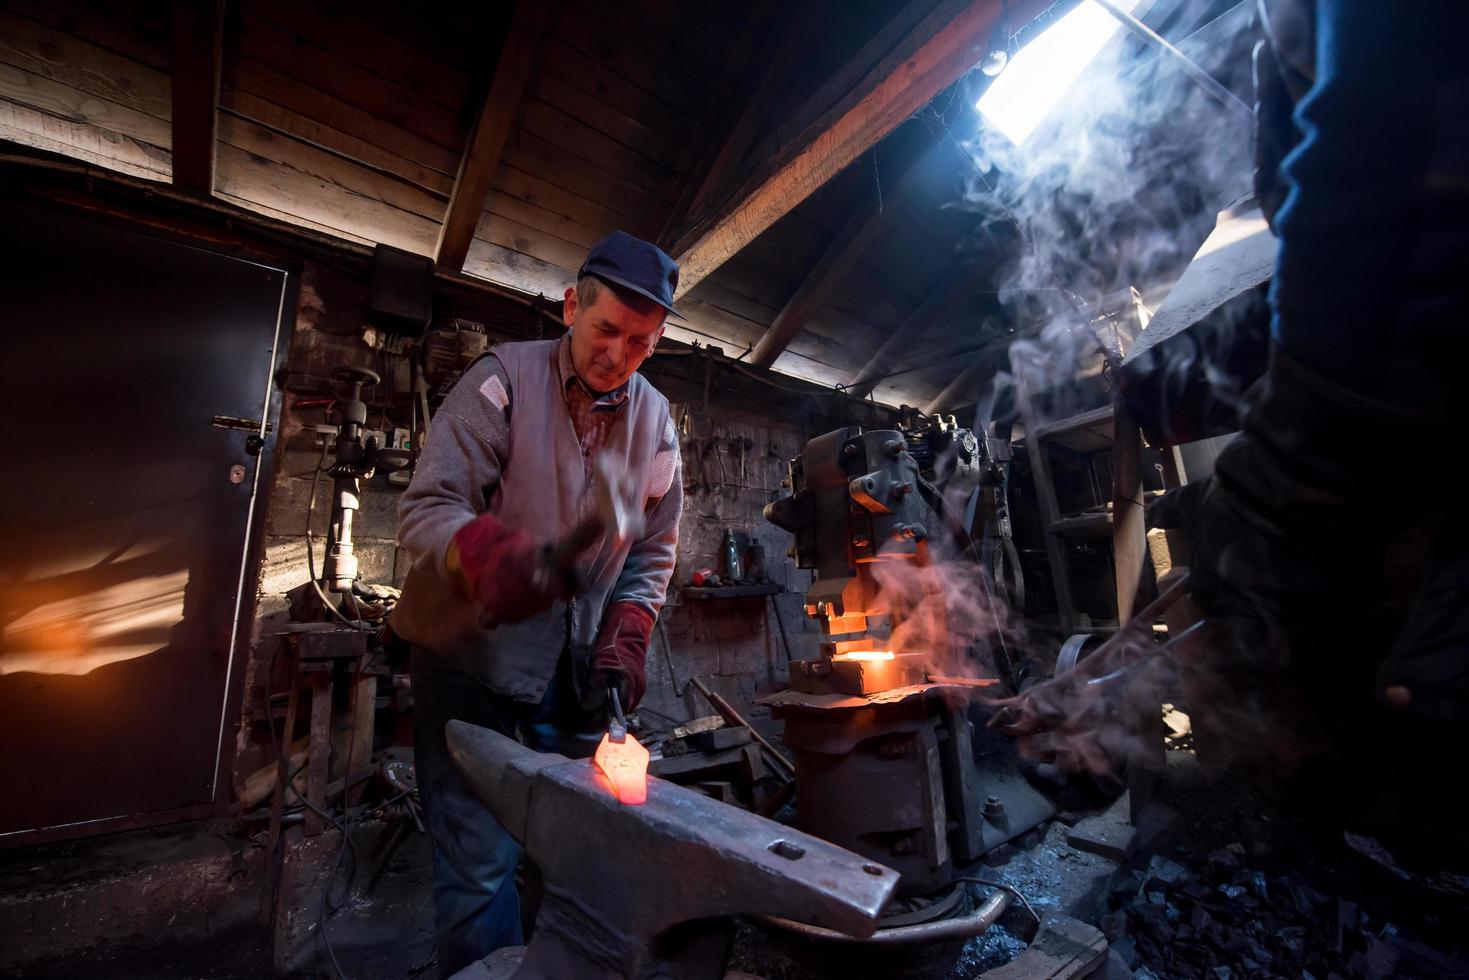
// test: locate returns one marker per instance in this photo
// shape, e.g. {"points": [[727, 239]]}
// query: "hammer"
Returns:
{"points": [[637, 891], [614, 513]]}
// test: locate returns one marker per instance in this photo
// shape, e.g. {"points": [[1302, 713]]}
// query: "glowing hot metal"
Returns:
{"points": [[865, 655], [625, 764]]}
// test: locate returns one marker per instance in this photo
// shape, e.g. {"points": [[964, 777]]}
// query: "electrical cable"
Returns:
{"points": [[1009, 888]]}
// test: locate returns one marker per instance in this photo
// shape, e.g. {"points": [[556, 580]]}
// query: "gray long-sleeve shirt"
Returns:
{"points": [[504, 442]]}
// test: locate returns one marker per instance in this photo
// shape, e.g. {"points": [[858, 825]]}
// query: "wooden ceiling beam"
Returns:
{"points": [[844, 250], [198, 34], [968, 377], [738, 130], [840, 255], [941, 297], [980, 362], [491, 129], [894, 75]]}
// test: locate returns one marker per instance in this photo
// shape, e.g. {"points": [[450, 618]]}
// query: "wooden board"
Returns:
{"points": [[563, 204], [598, 34], [590, 76], [30, 127], [531, 154], [137, 31], [248, 75], [549, 123], [307, 159], [374, 46], [708, 35], [314, 202], [82, 108], [83, 66], [287, 122], [337, 76], [672, 154]]}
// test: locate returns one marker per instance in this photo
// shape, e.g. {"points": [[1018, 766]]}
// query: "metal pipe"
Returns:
{"points": [[985, 916], [1190, 67]]}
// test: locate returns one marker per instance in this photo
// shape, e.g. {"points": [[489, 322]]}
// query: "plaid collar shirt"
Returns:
{"points": [[591, 413]]}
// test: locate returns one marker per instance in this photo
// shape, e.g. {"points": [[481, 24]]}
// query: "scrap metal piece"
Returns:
{"points": [[620, 877], [841, 675], [1209, 339]]}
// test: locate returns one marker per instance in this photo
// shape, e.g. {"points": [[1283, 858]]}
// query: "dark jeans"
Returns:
{"points": [[476, 908]]}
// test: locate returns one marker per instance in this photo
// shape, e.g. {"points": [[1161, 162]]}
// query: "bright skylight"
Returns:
{"points": [[1042, 71]]}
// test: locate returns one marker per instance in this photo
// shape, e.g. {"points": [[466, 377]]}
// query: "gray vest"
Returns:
{"points": [[543, 490]]}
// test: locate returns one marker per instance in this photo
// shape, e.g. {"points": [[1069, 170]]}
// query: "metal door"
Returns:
{"points": [[126, 510]]}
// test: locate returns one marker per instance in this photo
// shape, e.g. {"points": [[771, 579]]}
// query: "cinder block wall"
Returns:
{"points": [[734, 645]]}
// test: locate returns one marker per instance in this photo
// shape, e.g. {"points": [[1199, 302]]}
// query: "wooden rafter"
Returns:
{"points": [[855, 235], [198, 33], [729, 146], [940, 298], [894, 75], [492, 127], [838, 258], [978, 365]]}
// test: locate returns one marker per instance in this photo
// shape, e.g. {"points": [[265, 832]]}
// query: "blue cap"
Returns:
{"points": [[634, 264]]}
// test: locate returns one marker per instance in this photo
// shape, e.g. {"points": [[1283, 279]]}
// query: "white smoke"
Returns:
{"points": [[1116, 188]]}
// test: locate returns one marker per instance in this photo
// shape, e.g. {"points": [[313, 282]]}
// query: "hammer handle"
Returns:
{"points": [[733, 717]]}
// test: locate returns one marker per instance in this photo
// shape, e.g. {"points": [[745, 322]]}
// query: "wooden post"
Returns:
{"points": [[320, 748], [1045, 494], [363, 712], [492, 127], [198, 30], [1129, 531], [270, 880]]}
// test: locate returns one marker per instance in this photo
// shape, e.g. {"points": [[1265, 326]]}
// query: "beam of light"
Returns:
{"points": [[75, 635], [1042, 71]]}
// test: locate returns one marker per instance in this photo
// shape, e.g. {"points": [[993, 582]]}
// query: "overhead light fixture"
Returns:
{"points": [[1041, 72]]}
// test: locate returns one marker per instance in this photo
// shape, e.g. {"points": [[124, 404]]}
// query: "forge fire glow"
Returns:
{"points": [[625, 764], [865, 655]]}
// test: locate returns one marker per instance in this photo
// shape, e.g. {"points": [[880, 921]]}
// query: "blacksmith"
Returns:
{"points": [[499, 638]]}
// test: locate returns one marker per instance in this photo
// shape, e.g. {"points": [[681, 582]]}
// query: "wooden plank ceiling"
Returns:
{"points": [[766, 149]]}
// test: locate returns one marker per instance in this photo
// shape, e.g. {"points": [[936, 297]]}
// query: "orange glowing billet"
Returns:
{"points": [[865, 655], [625, 764]]}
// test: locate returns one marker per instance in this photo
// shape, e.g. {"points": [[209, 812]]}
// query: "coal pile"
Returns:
{"points": [[1224, 920]]}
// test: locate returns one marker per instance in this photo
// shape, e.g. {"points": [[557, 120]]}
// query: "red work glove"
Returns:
{"points": [[505, 570], [619, 656]]}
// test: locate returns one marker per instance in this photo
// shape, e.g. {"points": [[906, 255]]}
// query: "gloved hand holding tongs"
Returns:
{"points": [[513, 576], [1084, 697]]}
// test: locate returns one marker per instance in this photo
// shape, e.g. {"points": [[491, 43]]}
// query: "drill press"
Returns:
{"points": [[357, 459]]}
